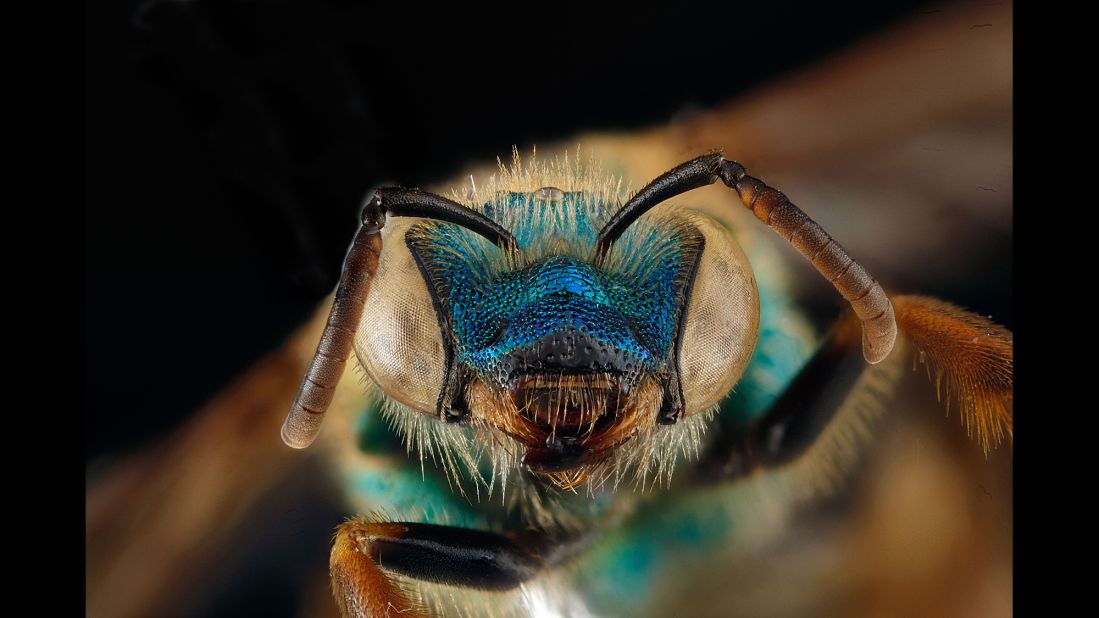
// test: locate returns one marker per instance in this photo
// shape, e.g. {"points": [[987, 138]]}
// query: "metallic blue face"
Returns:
{"points": [[559, 313]]}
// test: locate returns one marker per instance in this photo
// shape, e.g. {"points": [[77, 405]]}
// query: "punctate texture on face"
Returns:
{"points": [[561, 313]]}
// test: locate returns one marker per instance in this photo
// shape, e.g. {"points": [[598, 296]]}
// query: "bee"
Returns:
{"points": [[572, 385]]}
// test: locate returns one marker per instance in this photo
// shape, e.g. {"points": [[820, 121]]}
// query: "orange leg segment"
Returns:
{"points": [[375, 565], [968, 358]]}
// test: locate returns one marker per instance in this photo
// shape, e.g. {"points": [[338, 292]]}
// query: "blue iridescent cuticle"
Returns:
{"points": [[632, 312]]}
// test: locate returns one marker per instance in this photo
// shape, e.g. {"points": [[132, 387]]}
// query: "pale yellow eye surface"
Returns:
{"points": [[398, 341], [722, 321]]}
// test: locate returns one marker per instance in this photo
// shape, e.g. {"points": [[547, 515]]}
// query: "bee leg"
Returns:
{"points": [[366, 555], [823, 413], [800, 414], [970, 360]]}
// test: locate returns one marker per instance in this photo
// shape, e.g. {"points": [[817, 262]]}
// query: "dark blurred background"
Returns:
{"points": [[229, 144]]}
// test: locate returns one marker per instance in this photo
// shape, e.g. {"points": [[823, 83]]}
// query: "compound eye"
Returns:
{"points": [[398, 340], [722, 322]]}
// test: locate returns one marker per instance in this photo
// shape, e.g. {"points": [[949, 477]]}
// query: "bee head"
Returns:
{"points": [[576, 366]]}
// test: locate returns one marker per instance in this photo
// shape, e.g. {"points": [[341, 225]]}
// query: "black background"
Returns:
{"points": [[229, 145]]}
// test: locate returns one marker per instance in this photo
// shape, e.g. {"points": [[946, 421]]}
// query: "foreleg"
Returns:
{"points": [[822, 417], [377, 567]]}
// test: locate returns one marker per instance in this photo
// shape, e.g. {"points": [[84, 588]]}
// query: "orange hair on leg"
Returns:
{"points": [[969, 358]]}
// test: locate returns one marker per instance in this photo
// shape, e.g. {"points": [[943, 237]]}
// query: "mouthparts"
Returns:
{"points": [[569, 423]]}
